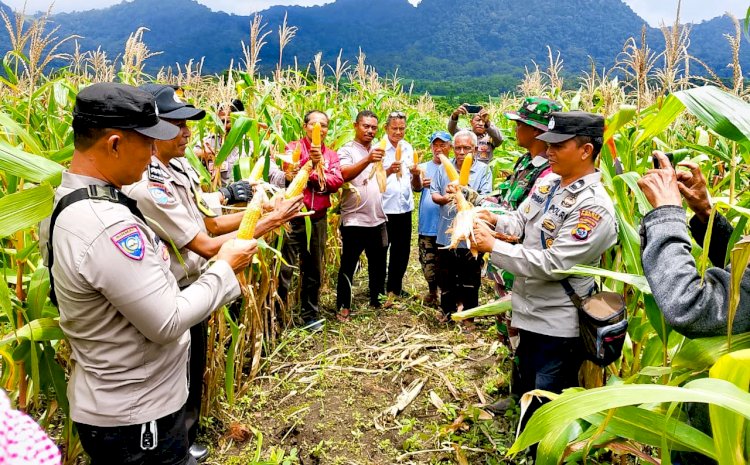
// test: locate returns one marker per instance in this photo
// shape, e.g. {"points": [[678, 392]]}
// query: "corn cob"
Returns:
{"points": [[251, 216], [297, 153], [416, 158], [463, 178], [450, 170], [315, 139], [257, 172], [398, 151], [299, 182], [382, 144]]}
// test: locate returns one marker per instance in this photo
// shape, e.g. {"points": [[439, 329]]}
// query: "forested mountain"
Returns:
{"points": [[488, 42]]}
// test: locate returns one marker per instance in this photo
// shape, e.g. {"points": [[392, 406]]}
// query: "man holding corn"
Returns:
{"points": [[398, 200], [459, 270], [363, 220], [317, 198], [567, 220], [170, 196], [123, 313]]}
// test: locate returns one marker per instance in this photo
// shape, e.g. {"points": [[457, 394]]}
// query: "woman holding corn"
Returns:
{"points": [[311, 153]]}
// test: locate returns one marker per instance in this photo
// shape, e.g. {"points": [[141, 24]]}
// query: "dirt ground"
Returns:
{"points": [[391, 386]]}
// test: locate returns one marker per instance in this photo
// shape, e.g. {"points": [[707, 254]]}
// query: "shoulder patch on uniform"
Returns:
{"points": [[576, 186], [160, 193], [130, 242], [587, 221], [156, 173]]}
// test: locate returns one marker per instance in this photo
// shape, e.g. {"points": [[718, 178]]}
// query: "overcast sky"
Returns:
{"points": [[653, 11]]}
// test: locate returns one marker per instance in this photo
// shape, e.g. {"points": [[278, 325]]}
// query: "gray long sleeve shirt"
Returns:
{"points": [[692, 309]]}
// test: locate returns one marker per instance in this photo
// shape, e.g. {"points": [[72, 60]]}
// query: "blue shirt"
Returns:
{"points": [[480, 179], [429, 211], [398, 197]]}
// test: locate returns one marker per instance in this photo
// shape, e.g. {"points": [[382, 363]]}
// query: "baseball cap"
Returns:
{"points": [[535, 111], [120, 106], [442, 135], [566, 125], [171, 105]]}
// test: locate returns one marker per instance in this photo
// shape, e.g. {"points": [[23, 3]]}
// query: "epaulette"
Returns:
{"points": [[157, 174]]}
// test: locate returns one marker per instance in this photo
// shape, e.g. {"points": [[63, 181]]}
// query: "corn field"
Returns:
{"points": [[651, 101]]}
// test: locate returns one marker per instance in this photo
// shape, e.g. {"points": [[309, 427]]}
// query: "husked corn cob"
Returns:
{"points": [[257, 172], [416, 158], [251, 217], [382, 144], [299, 182], [297, 153], [463, 178], [450, 170], [315, 138], [398, 151]]}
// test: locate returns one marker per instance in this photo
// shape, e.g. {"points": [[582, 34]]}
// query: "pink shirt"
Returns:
{"points": [[22, 441], [365, 207]]}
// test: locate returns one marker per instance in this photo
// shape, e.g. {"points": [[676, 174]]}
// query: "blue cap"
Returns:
{"points": [[442, 135]]}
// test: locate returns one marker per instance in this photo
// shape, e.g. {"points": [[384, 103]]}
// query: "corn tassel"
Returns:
{"points": [[297, 153], [450, 170], [463, 178], [256, 174], [315, 137], [251, 217], [299, 182]]}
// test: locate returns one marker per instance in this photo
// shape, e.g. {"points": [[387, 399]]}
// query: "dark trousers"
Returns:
{"points": [[310, 264], [374, 242], [459, 277], [428, 250], [196, 369], [121, 445], [399, 246], [547, 362]]}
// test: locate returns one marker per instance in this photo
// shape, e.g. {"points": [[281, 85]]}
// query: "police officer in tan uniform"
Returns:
{"points": [[170, 196], [569, 220], [121, 309]]}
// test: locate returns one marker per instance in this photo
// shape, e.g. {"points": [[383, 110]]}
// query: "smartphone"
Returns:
{"points": [[473, 108], [669, 155]]}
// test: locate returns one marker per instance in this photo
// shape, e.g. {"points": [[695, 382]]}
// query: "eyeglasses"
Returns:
{"points": [[397, 114]]}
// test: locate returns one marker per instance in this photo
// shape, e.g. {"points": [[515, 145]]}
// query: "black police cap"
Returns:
{"points": [[566, 125], [120, 106], [170, 105]]}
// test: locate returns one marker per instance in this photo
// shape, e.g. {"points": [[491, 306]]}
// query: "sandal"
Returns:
{"points": [[443, 318], [344, 315]]}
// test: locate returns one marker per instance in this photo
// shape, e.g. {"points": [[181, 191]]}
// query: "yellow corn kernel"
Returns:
{"points": [[398, 151], [416, 158], [299, 182], [257, 172], [251, 217], [463, 178], [297, 153], [315, 139], [450, 170]]}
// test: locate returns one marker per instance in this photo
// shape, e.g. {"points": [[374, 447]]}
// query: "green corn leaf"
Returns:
{"points": [[637, 281], [657, 122], [571, 406], [624, 115], [552, 447], [53, 374], [699, 354], [37, 294], [25, 208], [231, 353], [722, 112], [6, 306], [740, 259], [729, 429], [42, 329], [240, 127], [28, 166]]}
